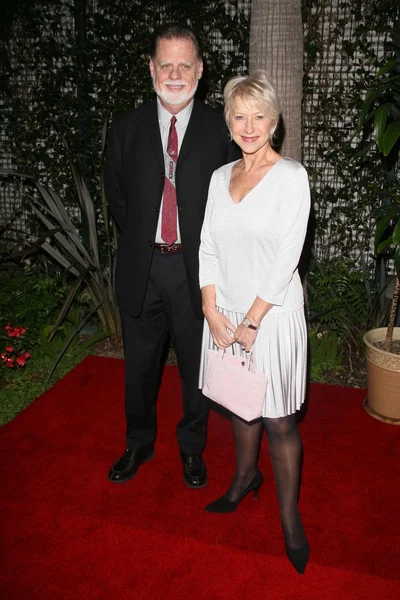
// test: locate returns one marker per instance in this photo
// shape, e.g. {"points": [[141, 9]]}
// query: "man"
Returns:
{"points": [[159, 162]]}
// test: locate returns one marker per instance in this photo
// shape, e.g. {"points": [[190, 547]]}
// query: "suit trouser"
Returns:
{"points": [[167, 308]]}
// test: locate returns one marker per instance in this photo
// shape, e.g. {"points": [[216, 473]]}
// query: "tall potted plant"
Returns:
{"points": [[381, 109]]}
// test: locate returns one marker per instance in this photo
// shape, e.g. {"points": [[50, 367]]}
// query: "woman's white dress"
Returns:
{"points": [[252, 248]]}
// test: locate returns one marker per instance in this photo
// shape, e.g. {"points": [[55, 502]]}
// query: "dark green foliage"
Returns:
{"points": [[380, 118], [346, 194], [325, 352], [338, 301], [381, 113], [32, 301]]}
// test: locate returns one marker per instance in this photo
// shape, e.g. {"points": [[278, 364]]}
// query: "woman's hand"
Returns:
{"points": [[219, 325], [245, 337]]}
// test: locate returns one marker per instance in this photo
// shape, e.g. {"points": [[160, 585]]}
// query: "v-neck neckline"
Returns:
{"points": [[257, 184]]}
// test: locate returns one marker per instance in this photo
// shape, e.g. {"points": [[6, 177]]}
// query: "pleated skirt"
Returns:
{"points": [[280, 352]]}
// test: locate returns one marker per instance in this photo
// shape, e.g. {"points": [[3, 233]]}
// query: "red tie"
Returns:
{"points": [[168, 223]]}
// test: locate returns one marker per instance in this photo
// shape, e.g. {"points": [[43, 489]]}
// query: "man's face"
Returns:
{"points": [[175, 71]]}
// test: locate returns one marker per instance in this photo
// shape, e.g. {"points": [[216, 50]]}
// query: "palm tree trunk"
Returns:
{"points": [[276, 45]]}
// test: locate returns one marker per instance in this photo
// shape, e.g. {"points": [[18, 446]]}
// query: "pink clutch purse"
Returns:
{"points": [[235, 384]]}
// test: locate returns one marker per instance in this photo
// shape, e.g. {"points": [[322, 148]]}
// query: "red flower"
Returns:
{"points": [[7, 356], [22, 358], [14, 331]]}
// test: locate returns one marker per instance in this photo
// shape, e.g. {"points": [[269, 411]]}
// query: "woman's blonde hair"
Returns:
{"points": [[254, 90]]}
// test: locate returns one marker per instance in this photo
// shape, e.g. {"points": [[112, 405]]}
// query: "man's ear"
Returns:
{"points": [[151, 67], [200, 70]]}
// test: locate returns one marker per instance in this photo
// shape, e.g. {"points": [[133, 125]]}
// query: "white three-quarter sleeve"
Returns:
{"points": [[294, 210], [207, 258]]}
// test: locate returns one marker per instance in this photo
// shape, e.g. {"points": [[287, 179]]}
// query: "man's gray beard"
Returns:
{"points": [[174, 100]]}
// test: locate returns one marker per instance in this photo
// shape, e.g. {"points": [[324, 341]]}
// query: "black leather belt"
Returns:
{"points": [[165, 249]]}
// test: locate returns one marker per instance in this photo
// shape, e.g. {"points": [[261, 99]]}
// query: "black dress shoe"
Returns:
{"points": [[194, 470], [126, 467]]}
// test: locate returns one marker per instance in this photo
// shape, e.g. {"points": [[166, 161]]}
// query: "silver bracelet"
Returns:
{"points": [[247, 323]]}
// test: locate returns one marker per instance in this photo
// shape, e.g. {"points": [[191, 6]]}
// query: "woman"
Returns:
{"points": [[253, 234]]}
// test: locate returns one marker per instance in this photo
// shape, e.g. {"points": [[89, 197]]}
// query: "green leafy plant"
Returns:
{"points": [[324, 351], [381, 112], [336, 299], [32, 297], [77, 251]]}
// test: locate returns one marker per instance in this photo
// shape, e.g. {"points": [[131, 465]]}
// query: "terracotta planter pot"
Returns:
{"points": [[383, 371]]}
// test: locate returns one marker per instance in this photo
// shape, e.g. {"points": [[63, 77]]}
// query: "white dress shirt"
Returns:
{"points": [[164, 120]]}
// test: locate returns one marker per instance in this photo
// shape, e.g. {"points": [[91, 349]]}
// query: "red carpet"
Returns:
{"points": [[67, 533]]}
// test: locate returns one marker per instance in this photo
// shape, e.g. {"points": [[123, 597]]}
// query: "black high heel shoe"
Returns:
{"points": [[223, 505], [299, 557]]}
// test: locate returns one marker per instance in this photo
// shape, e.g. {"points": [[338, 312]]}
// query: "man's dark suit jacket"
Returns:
{"points": [[134, 181]]}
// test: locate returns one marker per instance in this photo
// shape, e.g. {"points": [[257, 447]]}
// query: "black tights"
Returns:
{"points": [[285, 450]]}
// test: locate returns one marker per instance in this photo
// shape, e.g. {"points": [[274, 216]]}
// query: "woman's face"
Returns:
{"points": [[250, 126]]}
